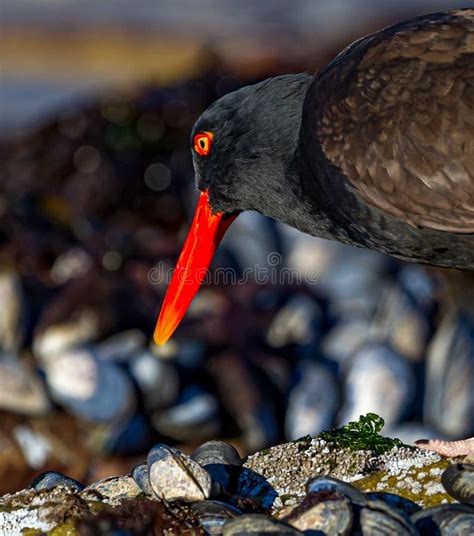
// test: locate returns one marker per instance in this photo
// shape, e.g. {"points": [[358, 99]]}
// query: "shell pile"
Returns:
{"points": [[213, 492]]}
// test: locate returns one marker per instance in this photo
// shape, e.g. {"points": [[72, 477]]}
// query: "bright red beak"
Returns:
{"points": [[201, 243]]}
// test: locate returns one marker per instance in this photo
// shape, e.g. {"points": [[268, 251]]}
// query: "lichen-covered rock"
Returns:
{"points": [[410, 473], [15, 522], [110, 504], [41, 510], [283, 471]]}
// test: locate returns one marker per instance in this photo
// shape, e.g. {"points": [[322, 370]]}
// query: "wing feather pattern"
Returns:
{"points": [[394, 113]]}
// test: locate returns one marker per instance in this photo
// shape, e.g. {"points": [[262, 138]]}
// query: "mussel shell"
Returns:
{"points": [[378, 518], [312, 402], [121, 346], [353, 281], [100, 392], [221, 461], [213, 515], [216, 452], [174, 476], [51, 479], [319, 484], [449, 383], [458, 481], [396, 501], [21, 390], [326, 512], [298, 322], [445, 520], [194, 416], [256, 524], [390, 377], [345, 337], [255, 487], [140, 475], [157, 380], [11, 305]]}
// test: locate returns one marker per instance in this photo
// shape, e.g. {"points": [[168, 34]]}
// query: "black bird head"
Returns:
{"points": [[243, 144], [244, 148]]}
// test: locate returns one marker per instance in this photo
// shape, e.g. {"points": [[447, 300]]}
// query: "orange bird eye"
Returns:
{"points": [[203, 143]]}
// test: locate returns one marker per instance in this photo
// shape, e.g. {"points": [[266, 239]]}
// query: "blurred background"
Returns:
{"points": [[97, 102]]}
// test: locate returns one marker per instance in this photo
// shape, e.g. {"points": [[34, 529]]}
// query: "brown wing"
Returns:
{"points": [[395, 113]]}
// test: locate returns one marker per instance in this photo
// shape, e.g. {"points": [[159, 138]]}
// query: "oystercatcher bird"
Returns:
{"points": [[377, 151]]}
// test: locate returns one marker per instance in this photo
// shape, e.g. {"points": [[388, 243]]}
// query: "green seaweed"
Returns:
{"points": [[363, 434]]}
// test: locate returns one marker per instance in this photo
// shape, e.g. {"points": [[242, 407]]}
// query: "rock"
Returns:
{"points": [[345, 338], [15, 522], [269, 482], [64, 510], [40, 510], [137, 517], [277, 477]]}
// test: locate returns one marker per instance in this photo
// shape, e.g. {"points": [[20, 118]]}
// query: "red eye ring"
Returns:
{"points": [[203, 143]]}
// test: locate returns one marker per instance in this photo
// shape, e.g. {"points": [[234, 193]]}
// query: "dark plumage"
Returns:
{"points": [[376, 151]]}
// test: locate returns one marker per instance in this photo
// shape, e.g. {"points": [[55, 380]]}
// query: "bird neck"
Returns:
{"points": [[309, 209], [278, 182]]}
